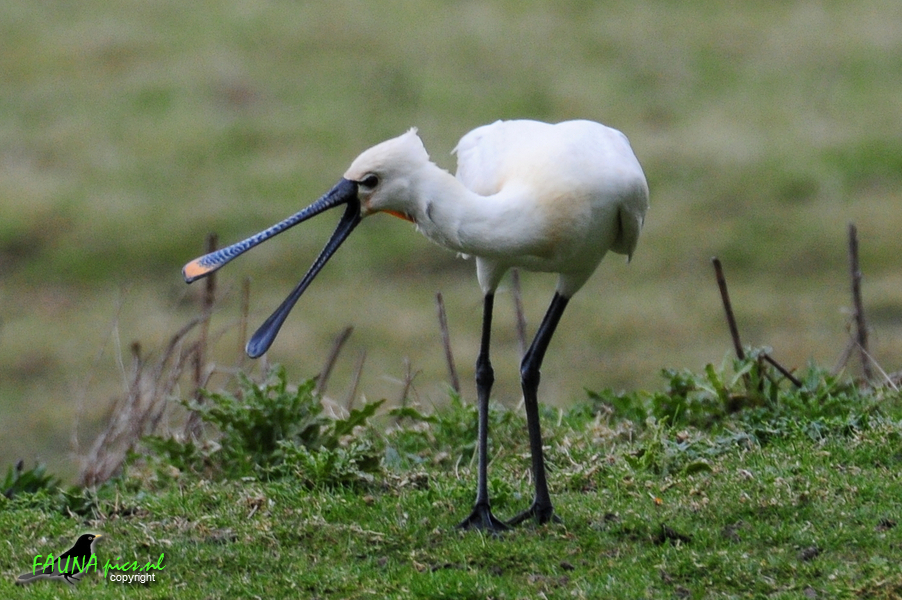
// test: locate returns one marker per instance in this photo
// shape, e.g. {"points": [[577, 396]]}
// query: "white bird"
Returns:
{"points": [[549, 198]]}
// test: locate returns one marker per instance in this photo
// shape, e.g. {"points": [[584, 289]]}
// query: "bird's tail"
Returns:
{"points": [[28, 577], [70, 578]]}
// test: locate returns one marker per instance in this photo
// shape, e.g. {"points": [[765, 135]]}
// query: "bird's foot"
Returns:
{"points": [[541, 513], [482, 518]]}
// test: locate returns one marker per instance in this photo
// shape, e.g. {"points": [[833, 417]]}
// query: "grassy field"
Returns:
{"points": [[129, 130], [794, 494]]}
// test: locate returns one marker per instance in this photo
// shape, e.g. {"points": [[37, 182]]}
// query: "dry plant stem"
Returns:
{"points": [[446, 342], [355, 381], [518, 310], [137, 365], [139, 411], [408, 382], [242, 324], [734, 330], [323, 378], [208, 299], [206, 309], [785, 372], [883, 374], [860, 323], [83, 389], [728, 308], [844, 357]]}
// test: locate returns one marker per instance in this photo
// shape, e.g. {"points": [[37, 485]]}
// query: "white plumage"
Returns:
{"points": [[551, 198]]}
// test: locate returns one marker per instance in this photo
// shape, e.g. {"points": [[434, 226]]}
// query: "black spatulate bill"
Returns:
{"points": [[344, 192]]}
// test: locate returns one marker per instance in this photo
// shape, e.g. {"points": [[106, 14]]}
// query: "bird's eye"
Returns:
{"points": [[370, 181]]}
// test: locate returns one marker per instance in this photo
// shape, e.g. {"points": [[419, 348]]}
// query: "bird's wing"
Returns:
{"points": [[489, 155], [478, 156], [630, 217], [567, 156]]}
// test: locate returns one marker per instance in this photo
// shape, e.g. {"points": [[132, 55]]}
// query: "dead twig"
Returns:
{"points": [[446, 342], [786, 373], [886, 377], [355, 381], [242, 323], [409, 376], [728, 308], [734, 330], [857, 306], [844, 356], [323, 378]]}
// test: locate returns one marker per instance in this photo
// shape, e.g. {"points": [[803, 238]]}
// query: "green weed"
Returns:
{"points": [[37, 488], [271, 430], [696, 504]]}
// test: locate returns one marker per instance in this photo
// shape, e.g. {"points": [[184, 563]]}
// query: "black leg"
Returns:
{"points": [[482, 517], [541, 509]]}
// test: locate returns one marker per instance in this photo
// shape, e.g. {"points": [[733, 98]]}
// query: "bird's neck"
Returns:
{"points": [[443, 209]]}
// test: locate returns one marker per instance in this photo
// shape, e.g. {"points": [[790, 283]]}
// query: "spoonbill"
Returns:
{"points": [[545, 197]]}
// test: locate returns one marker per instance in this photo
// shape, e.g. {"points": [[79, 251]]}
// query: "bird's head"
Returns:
{"points": [[379, 180], [385, 174], [87, 539]]}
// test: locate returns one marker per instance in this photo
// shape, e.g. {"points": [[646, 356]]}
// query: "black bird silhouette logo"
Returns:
{"points": [[69, 566]]}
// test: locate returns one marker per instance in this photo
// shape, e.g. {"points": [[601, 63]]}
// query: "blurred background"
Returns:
{"points": [[130, 130]]}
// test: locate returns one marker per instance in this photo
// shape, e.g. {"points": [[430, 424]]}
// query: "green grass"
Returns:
{"points": [[697, 504], [130, 131]]}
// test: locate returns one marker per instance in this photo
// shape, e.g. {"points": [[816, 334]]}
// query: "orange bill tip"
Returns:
{"points": [[194, 269]]}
